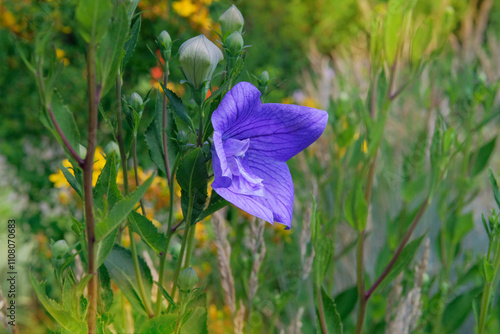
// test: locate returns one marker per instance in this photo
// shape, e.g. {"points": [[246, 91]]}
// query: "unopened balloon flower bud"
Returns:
{"points": [[234, 43], [59, 249], [199, 58], [136, 102], [165, 43], [188, 279], [231, 20]]}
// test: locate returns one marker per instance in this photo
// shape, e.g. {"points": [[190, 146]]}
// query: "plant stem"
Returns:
{"points": [[170, 233], [134, 155], [164, 133], [93, 97], [360, 283], [321, 311], [137, 269], [190, 246], [120, 137], [396, 255], [63, 137], [485, 299]]}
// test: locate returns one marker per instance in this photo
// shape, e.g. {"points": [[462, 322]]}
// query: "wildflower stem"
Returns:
{"points": [[321, 311], [134, 155], [190, 246], [164, 132], [138, 276], [63, 137], [400, 248], [170, 233], [183, 247], [485, 299], [360, 283], [93, 98]]}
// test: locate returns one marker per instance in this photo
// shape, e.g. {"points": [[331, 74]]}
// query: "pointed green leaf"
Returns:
{"points": [[494, 187], [148, 232], [104, 247], [72, 180], [332, 317], [403, 260], [178, 106], [110, 51], [57, 311], [192, 178], [216, 203], [92, 19], [106, 190], [66, 122], [160, 324], [120, 267], [482, 156], [165, 294], [346, 301], [121, 210], [131, 42], [457, 311]]}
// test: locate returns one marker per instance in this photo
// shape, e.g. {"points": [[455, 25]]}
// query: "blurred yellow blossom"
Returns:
{"points": [[58, 178], [61, 55], [364, 148], [184, 8]]}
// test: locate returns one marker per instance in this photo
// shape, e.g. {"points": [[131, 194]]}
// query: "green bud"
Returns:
{"points": [[82, 151], [231, 20], [199, 58], [59, 249], [234, 43], [264, 78], [165, 43], [112, 147], [136, 102], [187, 279], [182, 137]]}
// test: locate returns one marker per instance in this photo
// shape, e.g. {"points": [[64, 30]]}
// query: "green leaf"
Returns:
{"points": [[196, 320], [462, 226], [131, 42], [457, 311], [104, 247], [110, 51], [356, 209], [72, 180], [216, 203], [121, 210], [482, 156], [148, 232], [154, 136], [392, 29], [323, 253], [165, 294], [178, 106], [346, 301], [160, 324], [66, 122], [494, 187], [92, 19], [403, 260], [487, 270], [106, 192], [192, 178], [120, 267], [57, 311], [105, 292], [332, 317]]}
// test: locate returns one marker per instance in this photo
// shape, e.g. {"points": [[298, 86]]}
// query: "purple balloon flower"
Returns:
{"points": [[252, 142]]}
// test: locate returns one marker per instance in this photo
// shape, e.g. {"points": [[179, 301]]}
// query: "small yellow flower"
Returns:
{"points": [[364, 148], [59, 179], [60, 54], [287, 100], [184, 8]]}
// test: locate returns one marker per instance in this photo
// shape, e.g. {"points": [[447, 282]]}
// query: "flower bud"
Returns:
{"points": [[187, 279], [199, 58], [82, 151], [136, 102], [231, 20], [59, 249], [234, 43], [264, 78], [112, 147], [165, 43]]}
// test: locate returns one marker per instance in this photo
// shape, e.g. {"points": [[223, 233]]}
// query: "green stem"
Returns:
{"points": [[93, 97], [485, 299], [190, 246], [170, 233], [137, 270], [321, 311], [183, 247], [164, 130], [134, 155], [361, 283]]}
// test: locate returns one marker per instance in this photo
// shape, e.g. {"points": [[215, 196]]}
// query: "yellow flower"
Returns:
{"points": [[58, 178], [287, 100], [184, 8], [364, 148], [60, 54]]}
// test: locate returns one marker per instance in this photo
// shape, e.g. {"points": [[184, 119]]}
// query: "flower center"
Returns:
{"points": [[244, 181]]}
